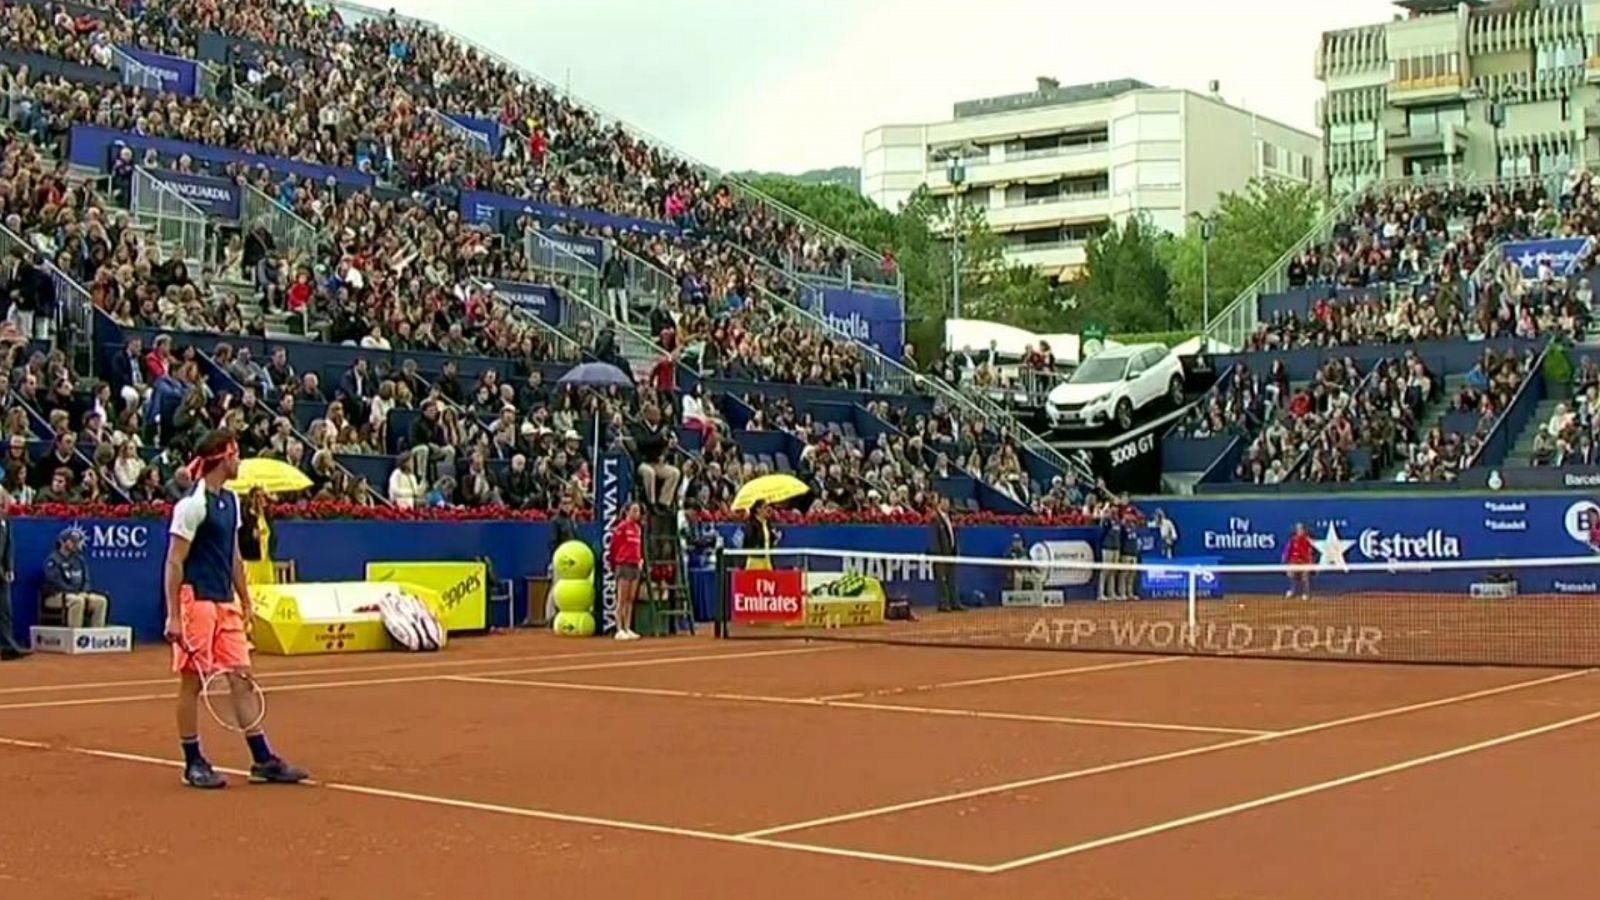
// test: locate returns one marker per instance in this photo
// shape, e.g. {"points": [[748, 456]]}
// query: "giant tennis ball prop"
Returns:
{"points": [[574, 560], [574, 624], [574, 595], [572, 591]]}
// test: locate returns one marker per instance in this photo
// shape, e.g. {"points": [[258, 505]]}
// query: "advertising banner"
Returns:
{"points": [[462, 589], [491, 209], [1562, 254], [216, 197], [489, 128], [537, 299], [871, 318], [613, 493], [178, 75], [768, 596], [589, 250], [90, 145]]}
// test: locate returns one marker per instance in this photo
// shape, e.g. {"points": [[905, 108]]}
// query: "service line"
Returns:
{"points": [[1137, 762]]}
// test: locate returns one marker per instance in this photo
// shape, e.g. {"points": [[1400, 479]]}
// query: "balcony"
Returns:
{"points": [[1049, 210], [1082, 159], [1055, 259], [1427, 142], [1427, 90]]}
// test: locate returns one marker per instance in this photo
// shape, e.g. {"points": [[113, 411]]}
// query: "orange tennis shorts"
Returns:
{"points": [[216, 633]]}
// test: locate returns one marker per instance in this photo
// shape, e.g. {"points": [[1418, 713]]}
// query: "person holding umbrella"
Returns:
{"points": [[257, 543], [761, 536]]}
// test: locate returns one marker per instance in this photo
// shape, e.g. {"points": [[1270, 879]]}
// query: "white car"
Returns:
{"points": [[1112, 385]]}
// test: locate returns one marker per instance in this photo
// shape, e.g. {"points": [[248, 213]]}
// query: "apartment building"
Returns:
{"points": [[1053, 166], [1464, 89]]}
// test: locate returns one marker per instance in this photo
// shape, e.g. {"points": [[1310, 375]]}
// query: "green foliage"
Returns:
{"points": [[1169, 338], [1138, 280], [1557, 370], [1252, 229], [1126, 287]]}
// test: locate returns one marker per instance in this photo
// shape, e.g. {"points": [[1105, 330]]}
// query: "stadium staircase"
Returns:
{"points": [[1522, 451]]}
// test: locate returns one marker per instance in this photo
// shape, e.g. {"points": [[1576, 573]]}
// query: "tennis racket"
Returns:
{"points": [[216, 692]]}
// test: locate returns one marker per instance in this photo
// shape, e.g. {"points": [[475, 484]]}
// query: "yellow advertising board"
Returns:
{"points": [[842, 600], [305, 618], [461, 589]]}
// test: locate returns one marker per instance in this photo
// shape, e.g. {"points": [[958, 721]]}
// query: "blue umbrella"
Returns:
{"points": [[596, 374]]}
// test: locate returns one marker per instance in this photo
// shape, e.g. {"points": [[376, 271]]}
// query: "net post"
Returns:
{"points": [[724, 591], [1192, 614]]}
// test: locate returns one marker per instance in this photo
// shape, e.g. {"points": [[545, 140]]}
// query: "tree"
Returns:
{"points": [[919, 233], [1252, 230], [1125, 285]]}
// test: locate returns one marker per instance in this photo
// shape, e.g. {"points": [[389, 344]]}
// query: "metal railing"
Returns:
{"points": [[175, 220], [207, 79], [475, 139], [135, 73], [570, 348], [73, 333], [551, 258], [864, 264], [292, 235]]}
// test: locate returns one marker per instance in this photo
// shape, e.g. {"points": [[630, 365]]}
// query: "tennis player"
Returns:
{"points": [[208, 606]]}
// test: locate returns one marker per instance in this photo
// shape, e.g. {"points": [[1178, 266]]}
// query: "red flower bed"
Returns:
{"points": [[322, 510], [328, 511]]}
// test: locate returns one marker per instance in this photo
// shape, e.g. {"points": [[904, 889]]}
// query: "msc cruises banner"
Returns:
{"points": [[868, 317], [1563, 254], [539, 299], [178, 75], [217, 197]]}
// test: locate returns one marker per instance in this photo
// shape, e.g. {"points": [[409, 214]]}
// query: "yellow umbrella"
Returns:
{"points": [[271, 475], [771, 488]]}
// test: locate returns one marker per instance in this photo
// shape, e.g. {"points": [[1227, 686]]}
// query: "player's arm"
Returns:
{"points": [[241, 584], [172, 581], [187, 514]]}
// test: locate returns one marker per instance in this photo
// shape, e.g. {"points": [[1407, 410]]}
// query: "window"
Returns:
{"points": [[1305, 167], [1269, 156]]}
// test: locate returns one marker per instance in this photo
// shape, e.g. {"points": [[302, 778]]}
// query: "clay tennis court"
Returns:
{"points": [[532, 766]]}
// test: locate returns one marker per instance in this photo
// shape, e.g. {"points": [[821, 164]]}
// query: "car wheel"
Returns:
{"points": [[1175, 391], [1124, 414]]}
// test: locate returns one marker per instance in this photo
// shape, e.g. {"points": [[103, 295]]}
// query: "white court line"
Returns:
{"points": [[1296, 793], [414, 679], [844, 704], [541, 814], [1162, 757], [349, 670], [1004, 679]]}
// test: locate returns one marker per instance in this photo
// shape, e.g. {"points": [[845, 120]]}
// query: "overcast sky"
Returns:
{"points": [[789, 85]]}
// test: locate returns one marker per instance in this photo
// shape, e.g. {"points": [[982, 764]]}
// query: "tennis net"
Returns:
{"points": [[1528, 612]]}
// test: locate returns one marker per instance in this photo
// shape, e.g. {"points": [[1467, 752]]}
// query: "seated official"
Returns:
{"points": [[67, 586]]}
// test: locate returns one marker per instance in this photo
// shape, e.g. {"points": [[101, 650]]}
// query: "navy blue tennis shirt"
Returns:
{"points": [[210, 523]]}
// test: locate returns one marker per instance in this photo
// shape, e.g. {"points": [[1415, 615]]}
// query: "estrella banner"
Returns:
{"points": [[538, 299], [613, 493], [462, 589], [178, 75], [868, 317], [1442, 528], [1562, 254], [216, 197]]}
